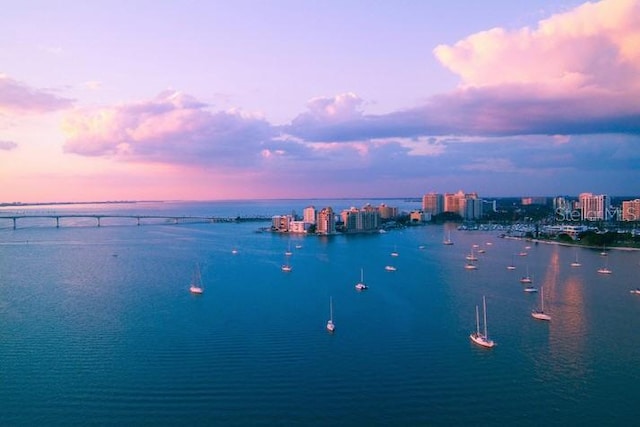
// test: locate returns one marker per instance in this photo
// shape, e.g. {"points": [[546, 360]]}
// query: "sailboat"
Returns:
{"points": [[447, 241], [540, 314], [470, 266], [361, 286], [330, 325], [478, 337], [576, 263], [512, 266], [196, 282], [605, 269], [286, 267], [530, 288], [471, 256], [604, 251], [526, 278], [288, 251]]}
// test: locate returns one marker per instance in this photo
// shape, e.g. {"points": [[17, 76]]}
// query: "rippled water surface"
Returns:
{"points": [[97, 326]]}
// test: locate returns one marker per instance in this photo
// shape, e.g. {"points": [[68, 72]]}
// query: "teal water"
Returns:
{"points": [[97, 326]]}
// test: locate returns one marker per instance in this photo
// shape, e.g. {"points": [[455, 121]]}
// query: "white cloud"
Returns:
{"points": [[595, 47]]}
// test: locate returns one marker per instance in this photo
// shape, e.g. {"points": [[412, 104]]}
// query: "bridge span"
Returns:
{"points": [[139, 219]]}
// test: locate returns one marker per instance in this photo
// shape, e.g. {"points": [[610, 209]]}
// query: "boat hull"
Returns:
{"points": [[540, 316], [482, 341]]}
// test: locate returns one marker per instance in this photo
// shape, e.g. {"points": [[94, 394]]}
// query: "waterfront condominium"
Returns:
{"points": [[326, 223], [594, 207], [433, 203]]}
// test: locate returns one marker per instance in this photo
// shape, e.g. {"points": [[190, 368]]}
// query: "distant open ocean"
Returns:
{"points": [[97, 325]]}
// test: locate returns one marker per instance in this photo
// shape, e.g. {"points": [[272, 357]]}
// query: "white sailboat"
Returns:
{"points": [[576, 263], [471, 256], [512, 266], [196, 282], [286, 267], [477, 337], [288, 251], [530, 288], [330, 325], [390, 268], [604, 251], [539, 313], [395, 251], [361, 286], [605, 269], [447, 241], [526, 278], [470, 266]]}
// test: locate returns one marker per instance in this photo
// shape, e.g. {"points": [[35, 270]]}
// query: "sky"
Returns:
{"points": [[206, 100]]}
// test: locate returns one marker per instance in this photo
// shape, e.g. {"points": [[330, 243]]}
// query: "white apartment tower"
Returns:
{"points": [[309, 215]]}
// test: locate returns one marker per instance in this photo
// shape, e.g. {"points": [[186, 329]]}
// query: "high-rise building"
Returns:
{"points": [[468, 206], [473, 206], [325, 223], [387, 212], [433, 203], [561, 204], [631, 210], [365, 219], [281, 222], [309, 215], [594, 207], [455, 203]]}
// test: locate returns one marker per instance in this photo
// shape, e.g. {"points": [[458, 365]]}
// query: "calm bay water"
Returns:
{"points": [[97, 326]]}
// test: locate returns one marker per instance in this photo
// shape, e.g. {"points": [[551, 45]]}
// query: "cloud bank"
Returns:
{"points": [[171, 128], [562, 97]]}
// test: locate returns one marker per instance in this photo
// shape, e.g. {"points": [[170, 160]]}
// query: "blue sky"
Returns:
{"points": [[249, 99]]}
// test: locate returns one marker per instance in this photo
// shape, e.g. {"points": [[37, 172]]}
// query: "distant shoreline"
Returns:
{"points": [[108, 202], [575, 245]]}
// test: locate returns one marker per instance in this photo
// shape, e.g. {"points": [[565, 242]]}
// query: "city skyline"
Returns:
{"points": [[203, 101]]}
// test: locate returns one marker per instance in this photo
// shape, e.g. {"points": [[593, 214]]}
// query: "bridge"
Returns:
{"points": [[139, 219]]}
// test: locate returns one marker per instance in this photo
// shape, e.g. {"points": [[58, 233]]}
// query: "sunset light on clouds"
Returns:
{"points": [[115, 100]]}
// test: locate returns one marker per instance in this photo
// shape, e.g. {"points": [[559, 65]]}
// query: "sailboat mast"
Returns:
{"points": [[484, 310], [331, 308], [542, 298], [477, 322]]}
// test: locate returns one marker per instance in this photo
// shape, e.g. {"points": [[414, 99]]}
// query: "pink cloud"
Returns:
{"points": [[7, 145], [575, 73], [172, 128], [592, 47], [340, 107], [19, 98]]}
